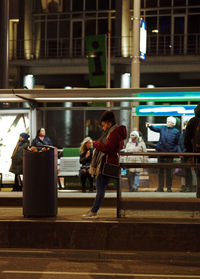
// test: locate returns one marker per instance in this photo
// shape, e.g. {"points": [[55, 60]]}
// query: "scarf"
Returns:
{"points": [[95, 166], [21, 142], [41, 138], [135, 141]]}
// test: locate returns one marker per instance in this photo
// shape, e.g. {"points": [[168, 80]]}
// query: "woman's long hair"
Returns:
{"points": [[38, 131], [83, 144]]}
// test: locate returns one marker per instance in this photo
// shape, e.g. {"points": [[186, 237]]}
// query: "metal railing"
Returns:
{"points": [[157, 45], [125, 204]]}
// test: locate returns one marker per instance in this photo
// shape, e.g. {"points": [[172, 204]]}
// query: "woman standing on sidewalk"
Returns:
{"points": [[135, 144], [17, 160], [106, 150]]}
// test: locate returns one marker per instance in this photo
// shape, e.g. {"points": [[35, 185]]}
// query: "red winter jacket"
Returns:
{"points": [[113, 144]]}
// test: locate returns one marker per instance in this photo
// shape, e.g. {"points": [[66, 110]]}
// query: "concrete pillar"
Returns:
{"points": [[37, 39], [125, 37], [33, 123], [4, 33], [125, 115], [13, 39], [28, 39]]}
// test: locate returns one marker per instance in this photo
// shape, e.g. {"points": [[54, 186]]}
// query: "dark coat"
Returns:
{"points": [[38, 142], [17, 158], [169, 138], [113, 144], [181, 145], [190, 133], [85, 162]]}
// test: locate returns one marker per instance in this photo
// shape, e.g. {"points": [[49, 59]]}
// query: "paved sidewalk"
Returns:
{"points": [[106, 214], [72, 205], [111, 194]]}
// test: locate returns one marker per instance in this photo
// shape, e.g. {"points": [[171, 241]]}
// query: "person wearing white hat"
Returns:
{"points": [[168, 142], [135, 144]]}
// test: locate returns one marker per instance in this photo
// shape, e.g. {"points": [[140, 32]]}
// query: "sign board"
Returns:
{"points": [[96, 53], [143, 39], [165, 110]]}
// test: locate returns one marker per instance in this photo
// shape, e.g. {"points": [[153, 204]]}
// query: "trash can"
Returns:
{"points": [[40, 183]]}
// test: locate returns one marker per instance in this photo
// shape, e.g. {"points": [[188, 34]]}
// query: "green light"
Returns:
{"points": [[169, 96]]}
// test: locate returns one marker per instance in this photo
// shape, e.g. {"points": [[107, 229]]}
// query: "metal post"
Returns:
{"points": [[119, 197], [108, 51], [4, 27], [108, 104], [135, 63], [33, 123]]}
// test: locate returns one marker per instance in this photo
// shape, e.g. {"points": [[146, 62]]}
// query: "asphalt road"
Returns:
{"points": [[73, 264]]}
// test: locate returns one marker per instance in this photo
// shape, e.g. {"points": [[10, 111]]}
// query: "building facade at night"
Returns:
{"points": [[47, 49], [47, 41]]}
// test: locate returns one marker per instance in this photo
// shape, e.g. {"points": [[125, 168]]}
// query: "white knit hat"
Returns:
{"points": [[171, 119], [135, 133]]}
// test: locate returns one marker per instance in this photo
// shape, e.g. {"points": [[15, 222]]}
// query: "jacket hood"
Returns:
{"points": [[197, 111], [135, 133], [121, 130]]}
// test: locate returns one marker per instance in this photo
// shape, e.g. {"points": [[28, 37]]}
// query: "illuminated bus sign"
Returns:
{"points": [[143, 39], [165, 110]]}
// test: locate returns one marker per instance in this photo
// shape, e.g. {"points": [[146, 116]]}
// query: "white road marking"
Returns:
{"points": [[100, 274]]}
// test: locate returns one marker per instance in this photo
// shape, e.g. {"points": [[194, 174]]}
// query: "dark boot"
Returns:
{"points": [[159, 190], [188, 189], [183, 189], [83, 182]]}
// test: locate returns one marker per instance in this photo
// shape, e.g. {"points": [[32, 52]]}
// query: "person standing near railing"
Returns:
{"points": [[135, 144], [192, 141], [106, 151], [168, 142], [187, 172]]}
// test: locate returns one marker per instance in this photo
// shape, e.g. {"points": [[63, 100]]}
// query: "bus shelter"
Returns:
{"points": [[32, 107]]}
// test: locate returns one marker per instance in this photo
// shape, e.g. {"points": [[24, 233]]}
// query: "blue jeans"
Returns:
{"points": [[101, 185], [133, 180]]}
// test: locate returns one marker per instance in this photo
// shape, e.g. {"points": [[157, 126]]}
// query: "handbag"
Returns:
{"points": [[111, 170], [84, 170]]}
